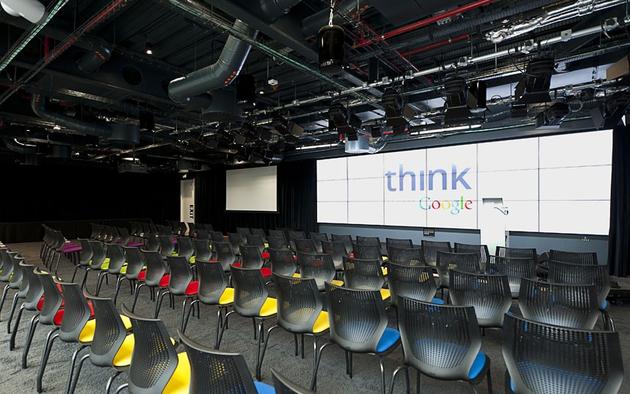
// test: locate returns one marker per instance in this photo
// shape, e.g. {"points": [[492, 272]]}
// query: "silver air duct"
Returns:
{"points": [[32, 10], [217, 75]]}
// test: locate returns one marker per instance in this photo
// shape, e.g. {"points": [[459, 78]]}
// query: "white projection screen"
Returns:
{"points": [[553, 184], [252, 189]]}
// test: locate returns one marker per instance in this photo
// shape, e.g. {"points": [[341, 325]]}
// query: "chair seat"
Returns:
{"points": [[438, 301], [193, 288], [192, 260], [265, 272], [179, 383], [142, 275], [385, 294], [87, 333], [166, 279], [105, 265], [390, 338], [123, 355], [604, 305], [123, 269], [269, 307], [321, 323], [227, 297], [384, 271], [334, 281], [477, 366], [58, 318], [264, 388], [265, 255]]}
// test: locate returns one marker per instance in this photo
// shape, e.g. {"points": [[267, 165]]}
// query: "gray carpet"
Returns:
{"points": [[238, 338]]}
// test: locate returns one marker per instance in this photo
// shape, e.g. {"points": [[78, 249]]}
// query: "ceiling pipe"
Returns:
{"points": [[219, 74], [31, 10], [274, 9], [435, 45], [85, 128], [422, 23], [15, 146]]}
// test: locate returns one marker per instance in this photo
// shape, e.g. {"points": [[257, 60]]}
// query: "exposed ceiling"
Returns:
{"points": [[93, 84]]}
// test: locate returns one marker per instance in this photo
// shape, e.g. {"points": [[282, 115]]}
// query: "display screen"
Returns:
{"points": [[556, 184], [252, 189]]}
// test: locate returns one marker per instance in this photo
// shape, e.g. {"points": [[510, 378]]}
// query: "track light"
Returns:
{"points": [[346, 123], [463, 101], [534, 85], [397, 112], [148, 48]]}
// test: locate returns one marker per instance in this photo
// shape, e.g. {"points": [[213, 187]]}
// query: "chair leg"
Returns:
{"points": [[418, 377], [118, 283], [318, 359], [223, 328], [50, 339], [16, 297], [185, 322], [74, 274], [396, 371], [184, 304], [29, 340], [135, 296], [73, 382], [255, 327], [99, 282], [302, 345], [4, 296], [15, 328], [262, 355], [295, 341], [121, 388], [219, 326], [489, 379], [380, 364], [84, 281], [158, 305], [110, 381], [73, 363]]}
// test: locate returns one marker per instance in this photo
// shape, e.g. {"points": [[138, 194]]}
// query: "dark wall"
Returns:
{"points": [[71, 196], [297, 200]]}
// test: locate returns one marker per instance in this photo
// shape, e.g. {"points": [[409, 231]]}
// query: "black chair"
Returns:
{"points": [[515, 268], [367, 251], [430, 250], [156, 367], [278, 242], [185, 247], [580, 274], [318, 238], [282, 262], [259, 232], [202, 250], [225, 254], [236, 240], [372, 241], [502, 251], [213, 290], [273, 233], [442, 342], [251, 258], [346, 239], [300, 312], [317, 266], [85, 256], [337, 251], [586, 258], [284, 386], [243, 231], [217, 236], [20, 272], [365, 274], [358, 324], [542, 358], [446, 261], [113, 265], [34, 292], [181, 283], [405, 256], [397, 243], [484, 254], [167, 247], [256, 240], [214, 372], [152, 243], [132, 271], [573, 306], [490, 295], [99, 258], [112, 346], [305, 246], [416, 282], [153, 278]]}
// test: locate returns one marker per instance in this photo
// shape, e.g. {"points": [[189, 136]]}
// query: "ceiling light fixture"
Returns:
{"points": [[148, 48]]}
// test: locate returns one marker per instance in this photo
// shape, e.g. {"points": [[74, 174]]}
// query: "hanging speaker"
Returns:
{"points": [[330, 40]]}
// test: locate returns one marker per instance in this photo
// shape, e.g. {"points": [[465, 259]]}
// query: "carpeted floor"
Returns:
{"points": [[239, 339]]}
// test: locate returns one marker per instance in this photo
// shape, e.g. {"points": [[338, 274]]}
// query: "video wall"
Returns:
{"points": [[555, 184]]}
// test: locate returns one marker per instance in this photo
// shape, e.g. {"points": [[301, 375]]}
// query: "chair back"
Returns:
{"points": [[15, 280], [586, 258], [212, 282], [116, 256], [363, 274], [318, 266], [181, 274], [258, 232], [405, 255], [484, 254], [441, 341], [430, 250], [135, 262], [346, 239], [256, 240], [299, 303], [416, 282], [305, 246], [336, 250], [277, 242], [76, 312], [580, 274], [202, 249], [515, 268], [251, 257], [215, 372], [153, 243], [21, 270], [99, 254], [225, 254], [502, 251], [490, 295], [52, 297], [573, 306], [467, 262], [217, 236], [154, 358], [368, 241], [250, 292], [357, 318], [156, 268], [167, 247], [398, 243], [236, 240], [185, 247], [542, 358], [318, 238], [6, 265], [282, 262], [109, 334], [34, 290], [367, 251], [273, 233], [85, 255], [243, 231]]}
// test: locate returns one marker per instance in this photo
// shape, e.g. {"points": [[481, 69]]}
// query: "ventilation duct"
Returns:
{"points": [[274, 9], [93, 60], [217, 75], [31, 10]]}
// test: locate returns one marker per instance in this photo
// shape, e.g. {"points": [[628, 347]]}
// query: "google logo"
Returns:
{"points": [[454, 206]]}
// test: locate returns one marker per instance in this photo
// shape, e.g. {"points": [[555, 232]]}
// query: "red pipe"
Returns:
{"points": [[434, 45], [423, 22]]}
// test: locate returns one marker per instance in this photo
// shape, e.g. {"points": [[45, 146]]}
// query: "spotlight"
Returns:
{"points": [[341, 119], [397, 112], [330, 40], [534, 85], [148, 48], [552, 117], [463, 101]]}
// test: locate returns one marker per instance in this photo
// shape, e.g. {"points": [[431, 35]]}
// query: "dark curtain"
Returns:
{"points": [[70, 196], [619, 237], [297, 200]]}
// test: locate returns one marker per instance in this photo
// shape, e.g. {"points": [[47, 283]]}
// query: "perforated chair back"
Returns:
{"points": [[99, 253], [502, 251], [156, 268], [52, 298], [293, 235], [357, 318], [251, 257], [586, 258], [405, 256], [166, 245], [76, 312], [299, 303], [153, 243], [250, 292], [318, 238], [243, 231], [367, 251], [34, 288], [217, 236], [336, 250], [212, 282], [277, 242], [467, 262], [85, 255], [236, 240], [273, 233], [580, 274], [346, 239], [515, 268], [543, 358], [135, 262], [484, 254], [573, 306], [109, 333], [181, 274], [214, 372], [202, 249], [416, 282], [397, 243], [430, 250], [282, 262], [371, 241], [185, 247], [116, 256], [441, 341], [317, 266], [363, 274], [305, 246], [256, 240], [490, 295], [154, 358], [225, 254], [283, 385], [258, 232]]}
